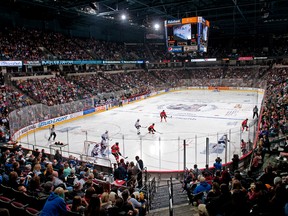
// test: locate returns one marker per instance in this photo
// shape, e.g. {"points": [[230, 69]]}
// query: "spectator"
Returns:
{"points": [[66, 170], [105, 202], [55, 204], [235, 162], [221, 205], [34, 187], [77, 205], [128, 208], [76, 191], [140, 167], [203, 186], [218, 165], [47, 189], [58, 156], [94, 207], [255, 165]]}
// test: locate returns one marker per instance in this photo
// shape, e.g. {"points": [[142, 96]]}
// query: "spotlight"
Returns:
{"points": [[123, 17], [156, 26]]}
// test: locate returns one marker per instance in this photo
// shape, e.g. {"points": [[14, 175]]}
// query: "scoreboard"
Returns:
{"points": [[187, 35]]}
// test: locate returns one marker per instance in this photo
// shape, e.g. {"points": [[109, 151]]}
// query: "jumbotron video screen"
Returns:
{"points": [[187, 35]]}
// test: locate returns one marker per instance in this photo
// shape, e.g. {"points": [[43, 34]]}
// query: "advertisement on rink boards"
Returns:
{"points": [[85, 112], [100, 108], [45, 123], [197, 88]]}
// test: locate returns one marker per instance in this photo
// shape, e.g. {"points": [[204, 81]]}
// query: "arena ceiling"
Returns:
{"points": [[228, 17]]}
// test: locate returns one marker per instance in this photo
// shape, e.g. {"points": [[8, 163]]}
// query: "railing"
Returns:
{"points": [[102, 162], [170, 193], [151, 192], [184, 150]]}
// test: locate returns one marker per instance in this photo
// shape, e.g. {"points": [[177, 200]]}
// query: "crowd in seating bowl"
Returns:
{"points": [[76, 185]]}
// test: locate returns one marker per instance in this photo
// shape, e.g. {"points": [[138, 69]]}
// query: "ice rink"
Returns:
{"points": [[193, 116]]}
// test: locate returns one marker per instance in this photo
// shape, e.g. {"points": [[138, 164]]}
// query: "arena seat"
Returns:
{"points": [[31, 212], [38, 203], [71, 213], [7, 191], [17, 208], [5, 202], [24, 198]]}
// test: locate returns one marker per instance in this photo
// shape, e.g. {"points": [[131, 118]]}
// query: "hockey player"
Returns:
{"points": [[105, 137], [163, 115], [96, 150], [52, 133], [104, 143], [138, 126], [151, 128], [244, 124], [255, 111], [115, 150]]}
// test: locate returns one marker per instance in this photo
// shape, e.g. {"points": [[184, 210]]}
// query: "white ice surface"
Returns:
{"points": [[193, 115]]}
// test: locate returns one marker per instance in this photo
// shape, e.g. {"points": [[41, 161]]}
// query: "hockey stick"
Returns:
{"points": [[122, 155], [168, 116], [158, 132], [143, 126]]}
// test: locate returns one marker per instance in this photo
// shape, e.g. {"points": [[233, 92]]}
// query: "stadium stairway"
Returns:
{"points": [[179, 210], [160, 203]]}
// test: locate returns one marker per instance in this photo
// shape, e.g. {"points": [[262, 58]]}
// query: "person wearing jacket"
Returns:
{"points": [[55, 204], [203, 186]]}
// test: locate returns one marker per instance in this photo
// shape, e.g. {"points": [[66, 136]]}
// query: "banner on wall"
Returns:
{"points": [[260, 58], [11, 63], [88, 62], [57, 62], [204, 60], [246, 58], [32, 63]]}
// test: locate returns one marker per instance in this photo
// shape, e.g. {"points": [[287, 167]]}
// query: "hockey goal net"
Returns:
{"points": [[88, 148], [89, 154]]}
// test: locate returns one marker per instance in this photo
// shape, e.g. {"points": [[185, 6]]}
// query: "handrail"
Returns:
{"points": [[170, 193], [145, 171], [150, 192]]}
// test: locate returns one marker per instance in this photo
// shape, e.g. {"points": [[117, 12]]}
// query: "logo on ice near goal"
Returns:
{"points": [[217, 148]]}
